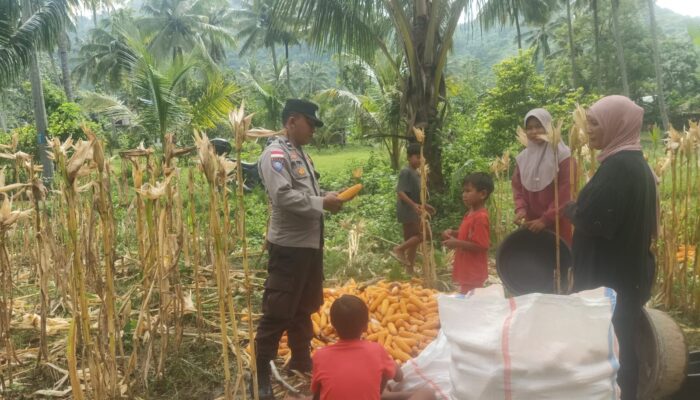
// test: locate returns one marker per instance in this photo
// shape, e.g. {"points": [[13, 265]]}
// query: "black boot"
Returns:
{"points": [[264, 386], [301, 361]]}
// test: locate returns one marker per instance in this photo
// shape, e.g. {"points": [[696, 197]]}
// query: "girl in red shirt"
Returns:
{"points": [[471, 241]]}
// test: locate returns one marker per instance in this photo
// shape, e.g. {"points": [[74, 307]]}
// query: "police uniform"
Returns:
{"points": [[294, 286]]}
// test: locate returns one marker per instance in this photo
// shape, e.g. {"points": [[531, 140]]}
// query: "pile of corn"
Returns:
{"points": [[403, 317], [681, 253]]}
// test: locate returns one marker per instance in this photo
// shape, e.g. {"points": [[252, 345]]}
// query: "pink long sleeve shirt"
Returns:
{"points": [[541, 204]]}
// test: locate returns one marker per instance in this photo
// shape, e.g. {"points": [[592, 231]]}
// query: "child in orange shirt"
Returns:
{"points": [[471, 241]]}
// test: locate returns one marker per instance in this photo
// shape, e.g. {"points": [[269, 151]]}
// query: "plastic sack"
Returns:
{"points": [[531, 347], [430, 369]]}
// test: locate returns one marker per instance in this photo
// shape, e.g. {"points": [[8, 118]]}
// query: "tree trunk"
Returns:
{"points": [[286, 59], [517, 27], [572, 56], [94, 15], [39, 106], [619, 47], [395, 152], [422, 99], [3, 121], [661, 98], [63, 42], [274, 63], [596, 39]]}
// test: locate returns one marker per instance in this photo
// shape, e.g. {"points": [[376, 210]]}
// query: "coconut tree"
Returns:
{"points": [[515, 12], [106, 57], [620, 50], [257, 29], [594, 7], [572, 52], [23, 33], [660, 98], [95, 5], [157, 93], [538, 40], [423, 31], [176, 27], [25, 28]]}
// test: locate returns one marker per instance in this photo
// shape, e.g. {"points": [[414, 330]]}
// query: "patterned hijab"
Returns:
{"points": [[536, 163], [620, 121]]}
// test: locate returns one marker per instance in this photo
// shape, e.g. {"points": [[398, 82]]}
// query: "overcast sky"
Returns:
{"points": [[685, 7]]}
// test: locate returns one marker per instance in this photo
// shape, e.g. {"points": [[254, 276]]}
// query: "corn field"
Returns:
{"points": [[117, 281], [122, 260]]}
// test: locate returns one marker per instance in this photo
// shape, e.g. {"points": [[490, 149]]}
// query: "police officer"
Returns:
{"points": [[294, 286]]}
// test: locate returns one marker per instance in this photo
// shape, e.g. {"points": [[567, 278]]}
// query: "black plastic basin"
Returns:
{"points": [[526, 262]]}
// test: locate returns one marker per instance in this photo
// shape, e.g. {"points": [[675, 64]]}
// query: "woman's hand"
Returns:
{"points": [[519, 218], [536, 225]]}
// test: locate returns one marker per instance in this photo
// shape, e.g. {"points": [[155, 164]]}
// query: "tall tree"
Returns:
{"points": [[106, 56], [96, 5], [502, 12], [515, 12], [619, 47], [63, 48], [660, 95], [593, 6], [178, 26], [424, 30], [22, 34], [538, 40], [25, 29], [257, 28], [572, 51]]}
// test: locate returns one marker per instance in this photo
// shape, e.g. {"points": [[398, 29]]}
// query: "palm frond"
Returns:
{"points": [[214, 105], [338, 25], [38, 32], [109, 106]]}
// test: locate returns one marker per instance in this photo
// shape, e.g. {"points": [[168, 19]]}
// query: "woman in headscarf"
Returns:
{"points": [[533, 178], [615, 220]]}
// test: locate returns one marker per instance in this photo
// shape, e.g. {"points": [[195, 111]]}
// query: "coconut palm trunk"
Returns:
{"points": [[39, 106], [572, 56], [63, 44], [517, 26], [596, 40], [619, 47], [660, 97]]}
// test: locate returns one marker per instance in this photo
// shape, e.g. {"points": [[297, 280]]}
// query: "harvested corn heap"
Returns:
{"points": [[403, 317]]}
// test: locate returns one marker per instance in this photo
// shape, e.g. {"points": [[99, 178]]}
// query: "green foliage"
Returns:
{"points": [[27, 139], [519, 88], [54, 96], [67, 121]]}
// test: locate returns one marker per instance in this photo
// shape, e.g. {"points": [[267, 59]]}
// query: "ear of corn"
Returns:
{"points": [[350, 193], [403, 317]]}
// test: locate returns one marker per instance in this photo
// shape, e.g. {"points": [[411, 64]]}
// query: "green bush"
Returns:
{"points": [[519, 88], [67, 121], [27, 139]]}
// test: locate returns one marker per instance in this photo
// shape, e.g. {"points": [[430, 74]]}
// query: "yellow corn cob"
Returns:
{"points": [[350, 193]]}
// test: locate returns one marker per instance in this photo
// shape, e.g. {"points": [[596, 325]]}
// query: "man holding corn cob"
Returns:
{"points": [[294, 286]]}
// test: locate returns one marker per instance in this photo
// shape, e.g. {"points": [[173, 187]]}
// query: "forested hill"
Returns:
{"points": [[472, 44]]}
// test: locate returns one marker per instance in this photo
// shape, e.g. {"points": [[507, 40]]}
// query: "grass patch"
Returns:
{"points": [[335, 160]]}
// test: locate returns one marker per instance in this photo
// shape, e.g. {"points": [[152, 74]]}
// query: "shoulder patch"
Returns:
{"points": [[276, 154], [277, 165]]}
